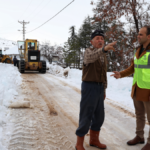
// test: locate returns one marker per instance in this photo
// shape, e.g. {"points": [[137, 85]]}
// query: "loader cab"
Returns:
{"points": [[33, 50], [29, 50]]}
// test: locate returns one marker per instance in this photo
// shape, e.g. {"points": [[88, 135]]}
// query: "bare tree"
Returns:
{"points": [[136, 14], [48, 51]]}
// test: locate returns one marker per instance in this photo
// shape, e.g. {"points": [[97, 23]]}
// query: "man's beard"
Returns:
{"points": [[142, 42]]}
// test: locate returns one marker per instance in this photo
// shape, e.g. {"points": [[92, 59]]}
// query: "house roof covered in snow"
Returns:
{"points": [[12, 50]]}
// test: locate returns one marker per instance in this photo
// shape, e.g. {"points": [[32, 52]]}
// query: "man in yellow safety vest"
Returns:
{"points": [[141, 85]]}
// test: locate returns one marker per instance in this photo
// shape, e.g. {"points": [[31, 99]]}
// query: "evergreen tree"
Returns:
{"points": [[71, 49], [85, 33]]}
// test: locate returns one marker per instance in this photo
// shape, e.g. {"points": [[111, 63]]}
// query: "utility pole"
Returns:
{"points": [[23, 31]]}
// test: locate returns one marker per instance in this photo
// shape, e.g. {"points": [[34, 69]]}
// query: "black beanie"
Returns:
{"points": [[97, 33]]}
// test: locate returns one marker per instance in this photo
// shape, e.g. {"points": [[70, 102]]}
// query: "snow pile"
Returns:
{"points": [[75, 76], [118, 90], [57, 70], [9, 81]]}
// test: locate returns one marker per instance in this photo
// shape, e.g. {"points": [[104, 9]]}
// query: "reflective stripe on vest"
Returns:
{"points": [[142, 71]]}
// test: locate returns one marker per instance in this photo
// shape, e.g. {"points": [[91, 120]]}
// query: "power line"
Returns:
{"points": [[52, 17], [36, 8], [21, 14], [41, 9], [26, 8]]}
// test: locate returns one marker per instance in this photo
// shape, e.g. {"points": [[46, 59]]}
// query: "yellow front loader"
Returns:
{"points": [[30, 56], [5, 58]]}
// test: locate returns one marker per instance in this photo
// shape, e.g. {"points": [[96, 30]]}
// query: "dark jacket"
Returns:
{"points": [[15, 60], [95, 72]]}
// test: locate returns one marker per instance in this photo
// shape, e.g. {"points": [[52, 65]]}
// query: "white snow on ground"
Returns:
{"points": [[9, 82], [55, 69], [118, 90]]}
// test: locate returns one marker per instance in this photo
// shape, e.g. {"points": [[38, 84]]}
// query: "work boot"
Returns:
{"points": [[146, 147], [94, 140], [136, 140], [79, 145]]}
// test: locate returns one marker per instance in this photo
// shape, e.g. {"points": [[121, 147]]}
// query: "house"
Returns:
{"points": [[11, 52]]}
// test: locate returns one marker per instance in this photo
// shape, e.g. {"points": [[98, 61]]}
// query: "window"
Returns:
{"points": [[31, 46], [21, 45]]}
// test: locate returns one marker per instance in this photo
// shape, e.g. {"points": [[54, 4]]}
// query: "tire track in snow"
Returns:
{"points": [[115, 104], [37, 128], [56, 132], [119, 125]]}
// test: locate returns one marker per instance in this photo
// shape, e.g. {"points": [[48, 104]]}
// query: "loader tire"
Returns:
{"points": [[43, 69], [21, 66], [8, 61], [18, 63]]}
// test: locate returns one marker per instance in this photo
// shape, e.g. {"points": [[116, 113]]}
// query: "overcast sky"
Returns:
{"points": [[39, 11]]}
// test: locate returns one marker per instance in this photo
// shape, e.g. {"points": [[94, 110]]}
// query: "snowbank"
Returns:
{"points": [[118, 90], [56, 70], [9, 81]]}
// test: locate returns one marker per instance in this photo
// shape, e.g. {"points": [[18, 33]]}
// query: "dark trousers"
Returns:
{"points": [[91, 108], [16, 63]]}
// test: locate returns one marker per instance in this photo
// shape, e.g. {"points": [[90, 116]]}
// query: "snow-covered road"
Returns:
{"points": [[119, 126], [53, 119]]}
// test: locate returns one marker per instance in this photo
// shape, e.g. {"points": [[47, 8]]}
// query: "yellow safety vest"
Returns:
{"points": [[142, 71]]}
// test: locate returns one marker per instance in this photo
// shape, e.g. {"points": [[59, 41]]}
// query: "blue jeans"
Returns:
{"points": [[91, 108]]}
